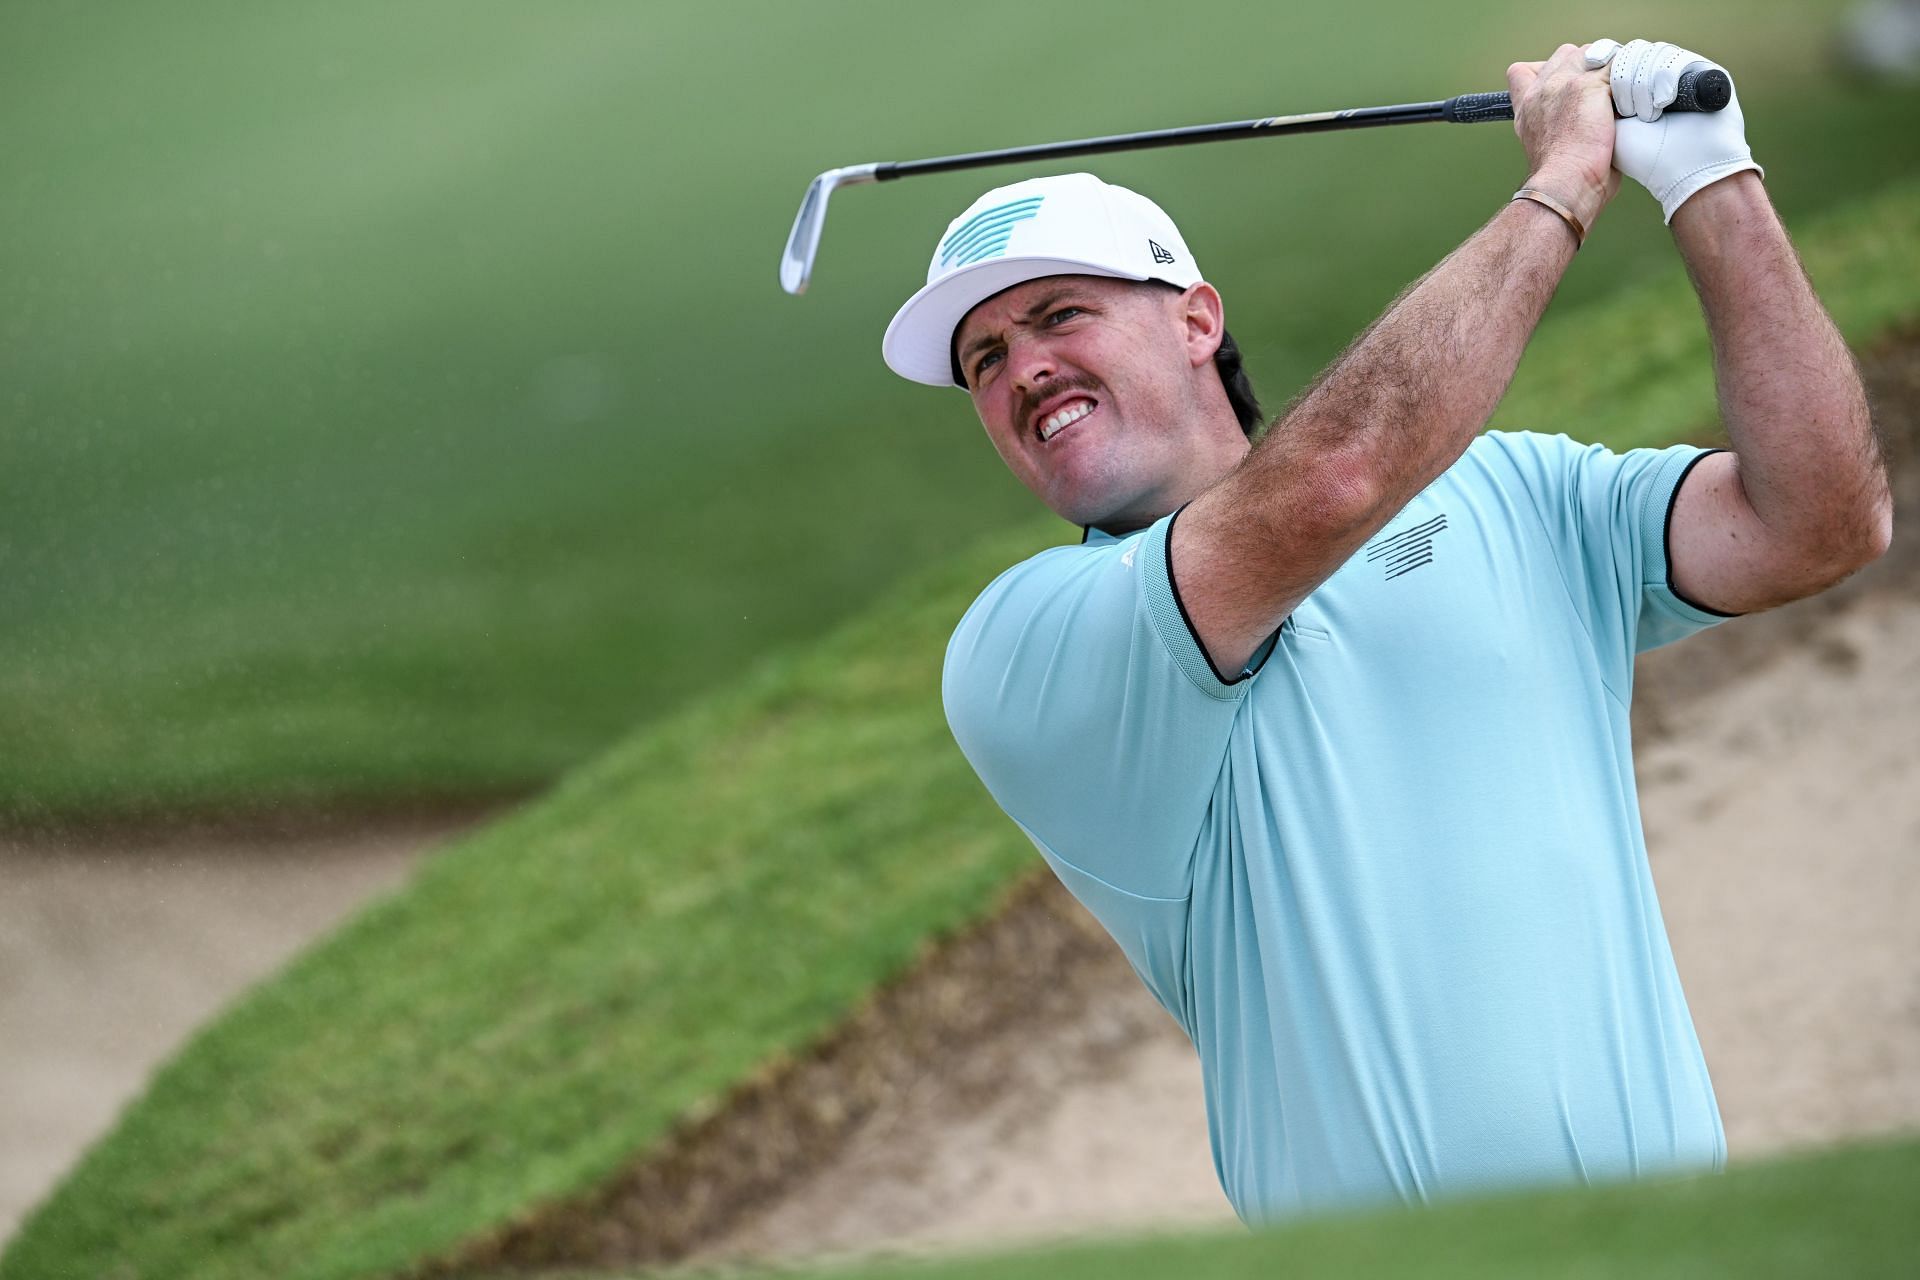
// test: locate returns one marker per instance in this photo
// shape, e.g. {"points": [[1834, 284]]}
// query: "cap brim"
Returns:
{"points": [[919, 341]]}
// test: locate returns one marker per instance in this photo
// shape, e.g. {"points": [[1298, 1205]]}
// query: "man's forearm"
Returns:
{"points": [[1790, 394], [1402, 403], [1407, 398]]}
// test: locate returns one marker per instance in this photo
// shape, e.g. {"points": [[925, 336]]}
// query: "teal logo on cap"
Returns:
{"points": [[985, 234]]}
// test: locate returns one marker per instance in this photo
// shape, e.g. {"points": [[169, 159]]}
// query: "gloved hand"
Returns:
{"points": [[1671, 155]]}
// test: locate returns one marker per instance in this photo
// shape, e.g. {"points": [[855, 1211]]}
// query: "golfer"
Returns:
{"points": [[1328, 724]]}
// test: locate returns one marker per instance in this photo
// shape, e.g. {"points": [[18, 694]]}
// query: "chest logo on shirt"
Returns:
{"points": [[1407, 550]]}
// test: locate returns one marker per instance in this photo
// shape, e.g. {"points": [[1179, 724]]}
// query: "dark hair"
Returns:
{"points": [[1233, 375]]}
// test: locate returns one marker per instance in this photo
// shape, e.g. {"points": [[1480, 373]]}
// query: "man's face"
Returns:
{"points": [[1085, 384]]}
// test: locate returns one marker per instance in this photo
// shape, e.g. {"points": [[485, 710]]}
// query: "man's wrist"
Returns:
{"points": [[1582, 196], [1729, 203], [1559, 210]]}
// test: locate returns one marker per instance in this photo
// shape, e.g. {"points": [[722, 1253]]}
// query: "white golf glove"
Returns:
{"points": [[1671, 155]]}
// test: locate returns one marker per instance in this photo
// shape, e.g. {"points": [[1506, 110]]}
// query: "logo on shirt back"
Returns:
{"points": [[1407, 550]]}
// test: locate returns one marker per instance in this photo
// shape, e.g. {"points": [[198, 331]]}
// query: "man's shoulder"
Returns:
{"points": [[1051, 567], [1065, 582], [1531, 444], [1536, 462], [1041, 574]]}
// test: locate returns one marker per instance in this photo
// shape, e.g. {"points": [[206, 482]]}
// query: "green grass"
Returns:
{"points": [[550, 995], [1839, 1213], [397, 401]]}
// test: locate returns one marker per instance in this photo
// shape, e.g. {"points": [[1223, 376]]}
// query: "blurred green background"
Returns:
{"points": [[398, 402]]}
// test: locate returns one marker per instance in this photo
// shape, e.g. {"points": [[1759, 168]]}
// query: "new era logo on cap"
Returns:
{"points": [[1160, 255]]}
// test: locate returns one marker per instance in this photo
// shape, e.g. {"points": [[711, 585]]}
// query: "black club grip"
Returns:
{"points": [[1473, 108], [1700, 89], [1707, 89]]}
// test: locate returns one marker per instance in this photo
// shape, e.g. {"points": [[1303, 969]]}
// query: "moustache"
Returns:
{"points": [[1031, 401]]}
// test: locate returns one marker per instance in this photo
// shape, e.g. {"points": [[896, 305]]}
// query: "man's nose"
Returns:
{"points": [[1031, 363]]}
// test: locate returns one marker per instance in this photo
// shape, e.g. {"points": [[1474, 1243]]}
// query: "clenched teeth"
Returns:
{"points": [[1072, 413]]}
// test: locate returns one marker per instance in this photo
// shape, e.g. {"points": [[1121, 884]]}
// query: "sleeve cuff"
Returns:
{"points": [[1170, 620], [1656, 536]]}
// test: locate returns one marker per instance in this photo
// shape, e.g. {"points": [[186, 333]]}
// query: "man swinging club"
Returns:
{"points": [[1329, 727]]}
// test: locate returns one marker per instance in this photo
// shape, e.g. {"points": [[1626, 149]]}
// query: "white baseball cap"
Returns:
{"points": [[1073, 224]]}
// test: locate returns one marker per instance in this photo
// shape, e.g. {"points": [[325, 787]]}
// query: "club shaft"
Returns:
{"points": [[1700, 88], [1313, 122]]}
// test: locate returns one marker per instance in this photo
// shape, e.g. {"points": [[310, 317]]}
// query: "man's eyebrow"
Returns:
{"points": [[1032, 313]]}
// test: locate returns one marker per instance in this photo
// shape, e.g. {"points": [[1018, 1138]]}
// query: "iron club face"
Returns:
{"points": [[803, 242]]}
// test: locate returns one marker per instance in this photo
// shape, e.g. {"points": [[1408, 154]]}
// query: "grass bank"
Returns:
{"points": [[399, 402], [1847, 1212], [551, 997]]}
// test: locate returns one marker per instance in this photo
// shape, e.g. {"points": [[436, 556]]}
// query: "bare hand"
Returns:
{"points": [[1563, 114]]}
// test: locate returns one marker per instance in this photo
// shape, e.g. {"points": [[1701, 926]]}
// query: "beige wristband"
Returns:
{"points": [[1572, 219]]}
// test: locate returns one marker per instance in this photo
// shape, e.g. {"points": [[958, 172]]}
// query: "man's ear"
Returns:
{"points": [[1204, 318]]}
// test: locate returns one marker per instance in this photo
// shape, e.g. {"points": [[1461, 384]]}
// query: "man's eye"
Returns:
{"points": [[1064, 313], [986, 362]]}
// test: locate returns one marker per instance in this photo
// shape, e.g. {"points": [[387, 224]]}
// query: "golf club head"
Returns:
{"points": [[803, 242]]}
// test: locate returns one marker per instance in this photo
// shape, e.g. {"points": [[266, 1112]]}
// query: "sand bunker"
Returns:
{"points": [[114, 948]]}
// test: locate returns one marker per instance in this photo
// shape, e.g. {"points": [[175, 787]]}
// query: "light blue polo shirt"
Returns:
{"points": [[1393, 883]]}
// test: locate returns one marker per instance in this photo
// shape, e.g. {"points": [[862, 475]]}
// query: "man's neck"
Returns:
{"points": [[1175, 496]]}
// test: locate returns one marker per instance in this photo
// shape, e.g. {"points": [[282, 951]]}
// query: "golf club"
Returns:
{"points": [[1702, 88]]}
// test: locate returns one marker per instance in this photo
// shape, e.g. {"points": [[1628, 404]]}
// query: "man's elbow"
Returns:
{"points": [[1849, 545], [1346, 490], [1880, 528], [1296, 498], [1873, 534], [1875, 529]]}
